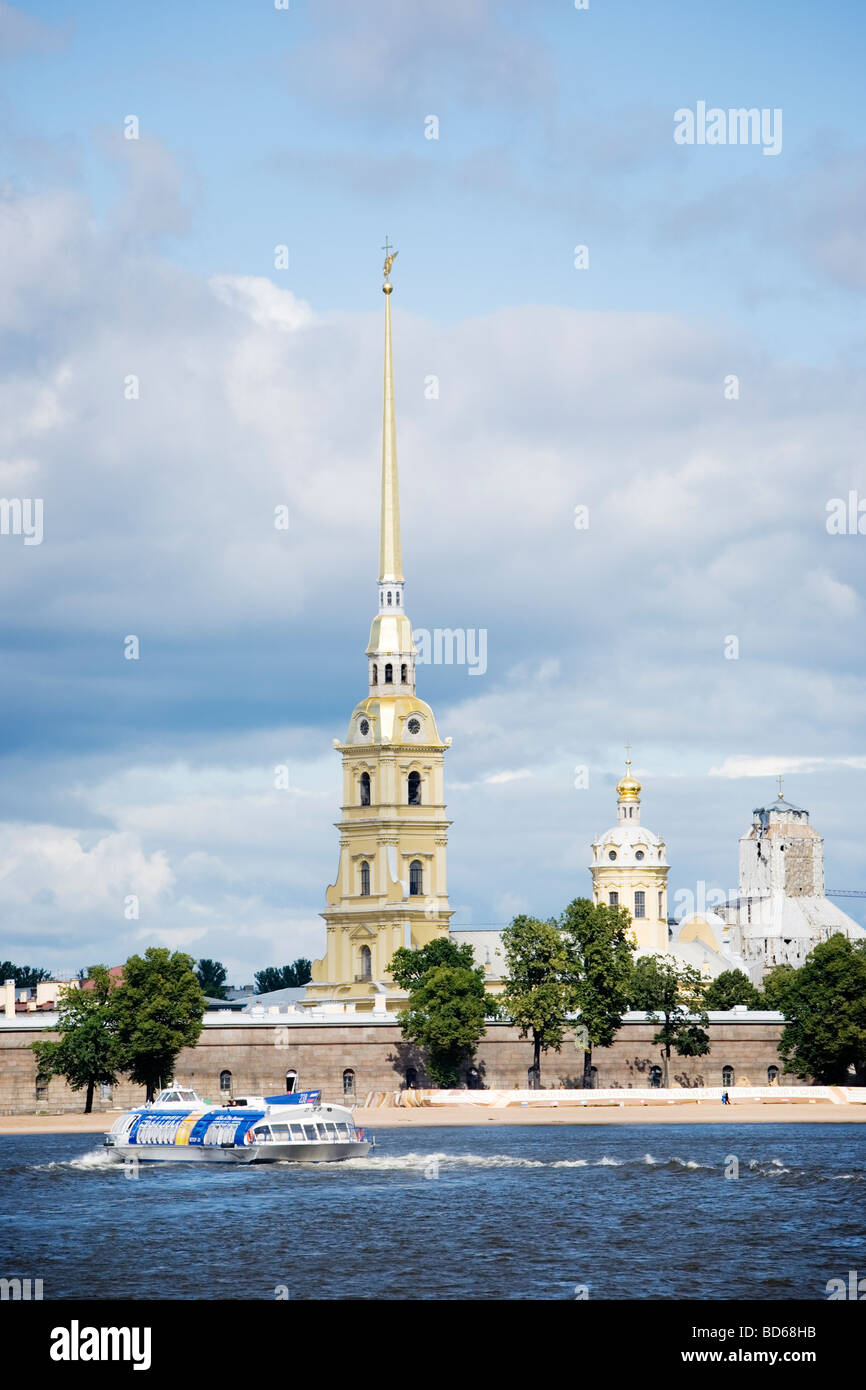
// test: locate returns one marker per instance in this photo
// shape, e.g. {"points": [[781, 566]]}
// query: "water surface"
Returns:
{"points": [[534, 1212]]}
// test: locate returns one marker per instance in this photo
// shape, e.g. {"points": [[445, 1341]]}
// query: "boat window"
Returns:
{"points": [[323, 1132], [311, 1132], [343, 1130], [297, 1131], [187, 1095], [262, 1134], [171, 1095], [332, 1130], [281, 1132]]}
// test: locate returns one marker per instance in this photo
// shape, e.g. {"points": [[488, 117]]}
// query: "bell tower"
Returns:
{"points": [[390, 889]]}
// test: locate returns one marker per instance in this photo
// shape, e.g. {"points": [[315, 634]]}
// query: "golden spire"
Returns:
{"points": [[390, 556]]}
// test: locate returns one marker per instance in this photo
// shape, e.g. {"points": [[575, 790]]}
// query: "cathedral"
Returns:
{"points": [[390, 889]]}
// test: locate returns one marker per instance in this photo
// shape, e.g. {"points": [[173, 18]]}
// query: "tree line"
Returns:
{"points": [[573, 974], [578, 973]]}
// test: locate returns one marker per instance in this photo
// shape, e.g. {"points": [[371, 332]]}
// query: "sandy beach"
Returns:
{"points": [[394, 1117]]}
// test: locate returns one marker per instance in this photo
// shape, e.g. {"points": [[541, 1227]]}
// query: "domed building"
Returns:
{"points": [[630, 869]]}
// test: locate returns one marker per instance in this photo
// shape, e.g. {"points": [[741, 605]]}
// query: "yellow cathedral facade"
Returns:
{"points": [[391, 888]]}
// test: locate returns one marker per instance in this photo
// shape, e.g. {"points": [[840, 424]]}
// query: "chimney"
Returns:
{"points": [[9, 998]]}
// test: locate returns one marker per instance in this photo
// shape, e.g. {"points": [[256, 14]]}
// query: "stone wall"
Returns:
{"points": [[258, 1057]]}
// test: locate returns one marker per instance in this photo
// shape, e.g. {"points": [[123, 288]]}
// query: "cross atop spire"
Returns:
{"points": [[390, 257]]}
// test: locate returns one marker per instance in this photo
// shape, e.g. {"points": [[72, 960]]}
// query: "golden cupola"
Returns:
{"points": [[628, 794]]}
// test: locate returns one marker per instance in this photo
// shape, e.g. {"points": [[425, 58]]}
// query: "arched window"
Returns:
{"points": [[411, 1077], [655, 1077], [772, 1076], [365, 880], [389, 598], [348, 1082], [375, 674], [414, 789], [403, 673], [727, 1076], [366, 964], [398, 598], [225, 1083], [389, 674], [415, 878], [291, 1081], [365, 789]]}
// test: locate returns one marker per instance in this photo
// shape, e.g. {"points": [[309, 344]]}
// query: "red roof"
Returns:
{"points": [[115, 973]]}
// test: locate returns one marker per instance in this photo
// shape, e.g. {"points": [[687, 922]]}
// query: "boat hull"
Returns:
{"points": [[297, 1152]]}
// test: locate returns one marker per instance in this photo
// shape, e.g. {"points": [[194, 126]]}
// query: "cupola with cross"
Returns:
{"points": [[629, 868]]}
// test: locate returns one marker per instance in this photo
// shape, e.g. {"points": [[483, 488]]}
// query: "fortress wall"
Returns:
{"points": [[259, 1056]]}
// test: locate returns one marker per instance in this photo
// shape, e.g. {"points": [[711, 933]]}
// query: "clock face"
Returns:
{"points": [[414, 726], [639, 854], [364, 726], [611, 854]]}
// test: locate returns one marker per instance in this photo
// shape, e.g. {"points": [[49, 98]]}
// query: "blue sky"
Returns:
{"points": [[558, 387]]}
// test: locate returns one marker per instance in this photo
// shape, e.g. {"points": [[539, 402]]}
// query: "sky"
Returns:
{"points": [[694, 379]]}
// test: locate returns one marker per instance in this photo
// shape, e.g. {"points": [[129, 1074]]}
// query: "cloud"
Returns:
{"points": [[400, 59], [24, 33], [706, 518]]}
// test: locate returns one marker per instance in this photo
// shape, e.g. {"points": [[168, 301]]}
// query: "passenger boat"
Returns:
{"points": [[294, 1128]]}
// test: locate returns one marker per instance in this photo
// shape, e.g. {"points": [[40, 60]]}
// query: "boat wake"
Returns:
{"points": [[94, 1161]]}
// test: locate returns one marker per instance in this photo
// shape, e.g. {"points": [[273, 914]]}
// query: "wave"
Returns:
{"points": [[95, 1160]]}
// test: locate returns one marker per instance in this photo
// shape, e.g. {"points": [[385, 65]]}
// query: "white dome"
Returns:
{"points": [[625, 843], [627, 835]]}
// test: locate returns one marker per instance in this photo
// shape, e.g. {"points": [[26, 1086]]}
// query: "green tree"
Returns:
{"points": [[25, 976], [87, 1055], [730, 988], [409, 965], [539, 988], [775, 986], [211, 975], [672, 995], [600, 946], [825, 1012], [293, 976], [447, 1004], [158, 1009], [446, 1014]]}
